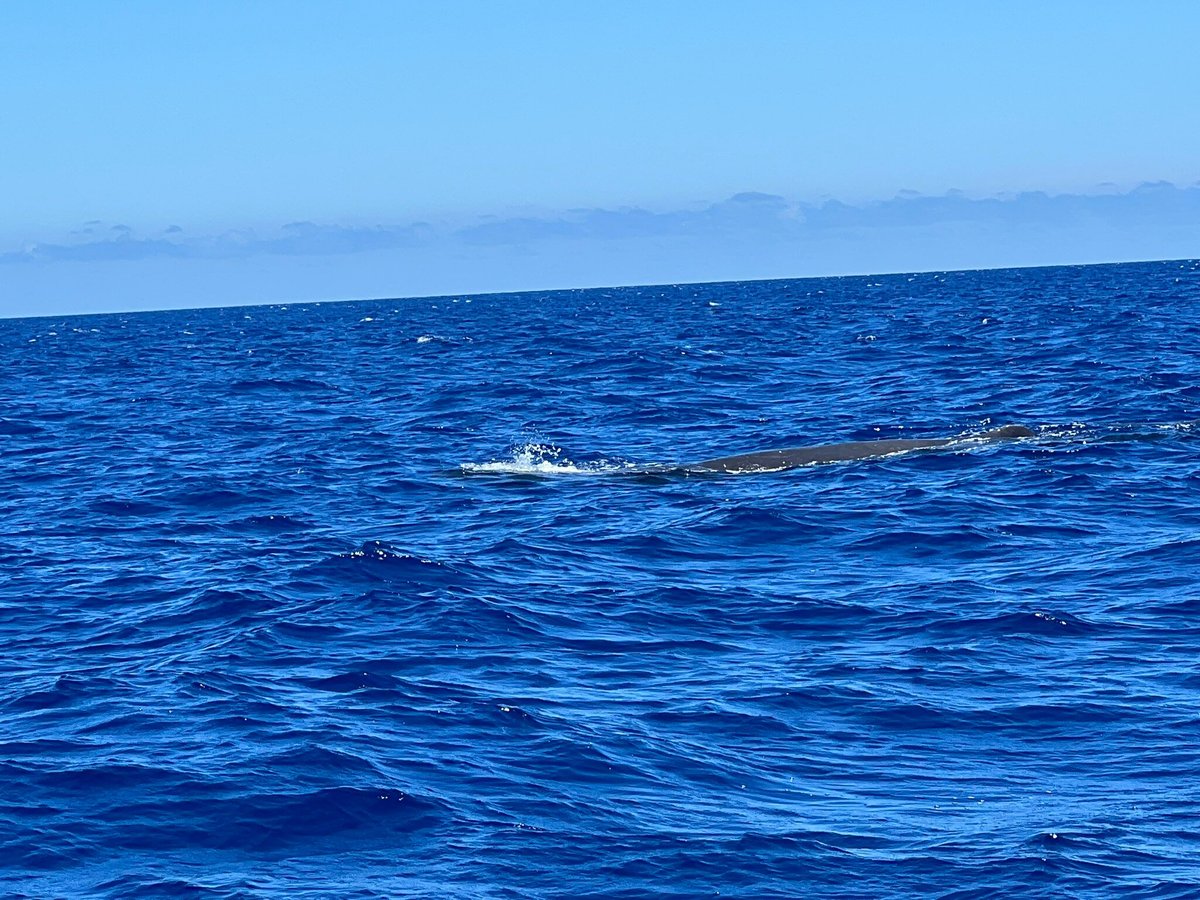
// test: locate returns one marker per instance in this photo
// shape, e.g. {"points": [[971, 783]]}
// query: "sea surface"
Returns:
{"points": [[420, 598]]}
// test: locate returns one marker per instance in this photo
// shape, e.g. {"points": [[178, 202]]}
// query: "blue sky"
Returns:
{"points": [[201, 153]]}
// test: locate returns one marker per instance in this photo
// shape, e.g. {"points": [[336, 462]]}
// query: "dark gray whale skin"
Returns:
{"points": [[777, 460]]}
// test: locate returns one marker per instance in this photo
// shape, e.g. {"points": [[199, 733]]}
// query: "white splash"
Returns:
{"points": [[542, 459]]}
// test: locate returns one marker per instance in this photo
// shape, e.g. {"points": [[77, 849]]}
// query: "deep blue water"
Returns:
{"points": [[369, 600]]}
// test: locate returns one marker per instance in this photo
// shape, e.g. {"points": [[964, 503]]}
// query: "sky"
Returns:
{"points": [[159, 155]]}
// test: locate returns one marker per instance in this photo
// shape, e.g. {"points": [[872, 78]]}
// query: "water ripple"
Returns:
{"points": [[421, 598]]}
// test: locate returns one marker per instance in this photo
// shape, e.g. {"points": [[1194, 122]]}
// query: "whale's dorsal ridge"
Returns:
{"points": [[1008, 432], [778, 460]]}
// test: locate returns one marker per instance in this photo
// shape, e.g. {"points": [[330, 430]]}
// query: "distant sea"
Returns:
{"points": [[418, 598]]}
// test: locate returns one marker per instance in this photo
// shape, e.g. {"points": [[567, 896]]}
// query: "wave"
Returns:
{"points": [[262, 637]]}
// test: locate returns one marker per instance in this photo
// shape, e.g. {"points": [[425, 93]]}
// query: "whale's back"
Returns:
{"points": [[777, 460]]}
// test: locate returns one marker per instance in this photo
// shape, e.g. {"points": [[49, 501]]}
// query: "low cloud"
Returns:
{"points": [[773, 217], [96, 242], [1084, 225], [1161, 203], [122, 247], [743, 213], [310, 238]]}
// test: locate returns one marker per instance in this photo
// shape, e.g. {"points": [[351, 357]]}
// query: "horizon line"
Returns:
{"points": [[405, 298]]}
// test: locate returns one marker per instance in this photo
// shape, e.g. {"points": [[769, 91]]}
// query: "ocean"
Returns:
{"points": [[422, 598]]}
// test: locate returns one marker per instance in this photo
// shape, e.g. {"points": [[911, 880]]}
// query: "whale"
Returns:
{"points": [[779, 460]]}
